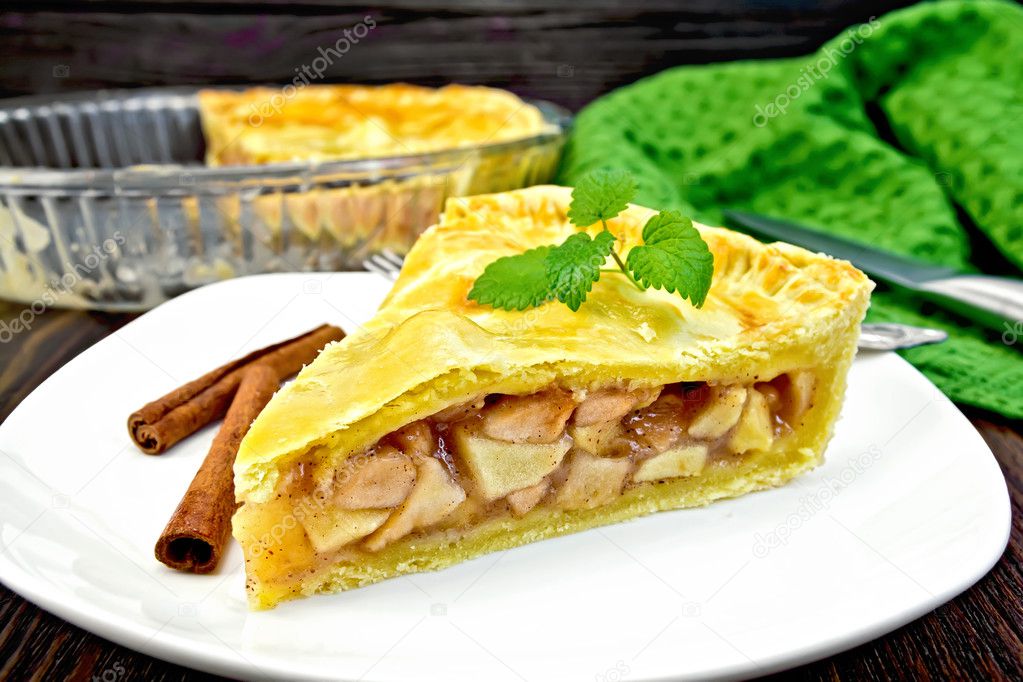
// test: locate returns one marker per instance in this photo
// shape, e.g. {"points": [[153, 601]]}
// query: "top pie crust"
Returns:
{"points": [[329, 122], [771, 309]]}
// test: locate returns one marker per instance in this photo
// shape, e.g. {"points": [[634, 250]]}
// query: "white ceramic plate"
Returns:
{"points": [[909, 510]]}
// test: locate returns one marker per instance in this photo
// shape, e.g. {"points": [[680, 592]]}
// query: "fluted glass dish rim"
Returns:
{"points": [[165, 178], [179, 224]]}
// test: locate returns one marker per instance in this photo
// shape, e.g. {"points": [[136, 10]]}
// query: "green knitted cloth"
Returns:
{"points": [[792, 138]]}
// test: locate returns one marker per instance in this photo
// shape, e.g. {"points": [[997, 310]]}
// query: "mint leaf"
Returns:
{"points": [[673, 257], [574, 265], [601, 195], [514, 282]]}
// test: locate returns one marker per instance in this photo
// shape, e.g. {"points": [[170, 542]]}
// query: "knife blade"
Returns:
{"points": [[996, 302]]}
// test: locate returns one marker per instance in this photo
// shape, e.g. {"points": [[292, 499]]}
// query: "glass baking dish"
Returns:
{"points": [[105, 202]]}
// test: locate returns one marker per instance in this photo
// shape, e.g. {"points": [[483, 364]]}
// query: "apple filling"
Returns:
{"points": [[505, 455]]}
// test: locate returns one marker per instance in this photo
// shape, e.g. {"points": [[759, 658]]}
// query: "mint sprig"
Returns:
{"points": [[673, 255]]}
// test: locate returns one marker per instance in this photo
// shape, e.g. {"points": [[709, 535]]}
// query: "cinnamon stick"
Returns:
{"points": [[163, 422], [200, 527]]}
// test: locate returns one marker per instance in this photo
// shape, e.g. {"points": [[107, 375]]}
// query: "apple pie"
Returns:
{"points": [[443, 429], [358, 210], [331, 122]]}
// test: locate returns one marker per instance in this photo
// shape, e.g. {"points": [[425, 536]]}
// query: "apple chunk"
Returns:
{"points": [[687, 460], [592, 481], [800, 394], [275, 545], [604, 438], [755, 430], [536, 418], [720, 414], [433, 497], [522, 501], [609, 404], [498, 468], [375, 481], [331, 529]]}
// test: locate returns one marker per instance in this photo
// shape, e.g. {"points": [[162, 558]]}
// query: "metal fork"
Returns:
{"points": [[892, 336], [879, 336], [385, 263]]}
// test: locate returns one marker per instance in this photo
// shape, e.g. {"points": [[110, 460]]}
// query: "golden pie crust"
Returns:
{"points": [[333, 122]]}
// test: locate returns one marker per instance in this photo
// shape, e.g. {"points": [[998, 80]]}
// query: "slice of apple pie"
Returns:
{"points": [[443, 429]]}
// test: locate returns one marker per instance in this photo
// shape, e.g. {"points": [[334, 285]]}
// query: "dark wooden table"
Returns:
{"points": [[978, 635]]}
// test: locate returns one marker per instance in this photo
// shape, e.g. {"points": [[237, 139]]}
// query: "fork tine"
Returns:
{"points": [[382, 262], [374, 268], [393, 257], [381, 266]]}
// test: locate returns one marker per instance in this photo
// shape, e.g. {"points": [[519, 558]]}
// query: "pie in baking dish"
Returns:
{"points": [[329, 122], [443, 429], [369, 211]]}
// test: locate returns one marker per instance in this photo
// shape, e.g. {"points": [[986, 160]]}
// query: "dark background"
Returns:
{"points": [[567, 52]]}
